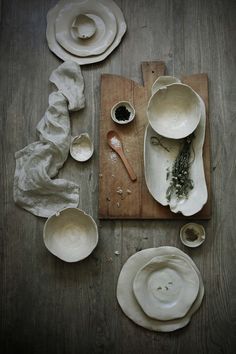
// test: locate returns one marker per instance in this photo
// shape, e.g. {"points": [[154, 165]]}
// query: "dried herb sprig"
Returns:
{"points": [[180, 181], [157, 141]]}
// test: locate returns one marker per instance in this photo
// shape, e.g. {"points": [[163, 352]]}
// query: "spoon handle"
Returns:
{"points": [[127, 165]]}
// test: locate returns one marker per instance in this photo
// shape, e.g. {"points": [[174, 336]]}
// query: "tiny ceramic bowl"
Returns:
{"points": [[192, 235], [120, 109], [174, 111], [70, 234], [81, 147]]}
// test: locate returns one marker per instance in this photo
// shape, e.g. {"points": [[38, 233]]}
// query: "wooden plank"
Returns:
{"points": [[119, 197]]}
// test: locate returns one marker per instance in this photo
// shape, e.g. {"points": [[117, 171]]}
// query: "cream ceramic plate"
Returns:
{"points": [[158, 159], [63, 54], [105, 24], [166, 287], [174, 110], [126, 298], [70, 234]]}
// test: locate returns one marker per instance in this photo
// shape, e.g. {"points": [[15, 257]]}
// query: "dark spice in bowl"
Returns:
{"points": [[122, 113]]}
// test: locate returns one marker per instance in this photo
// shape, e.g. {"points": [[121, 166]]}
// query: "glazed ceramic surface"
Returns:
{"points": [[128, 106], [166, 287], [70, 234], [81, 148], [158, 159], [128, 302], [55, 47], [174, 111], [163, 81], [192, 234], [83, 27], [105, 24]]}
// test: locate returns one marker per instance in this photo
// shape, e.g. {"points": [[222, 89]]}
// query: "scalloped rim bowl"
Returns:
{"points": [[128, 106], [174, 111], [81, 147], [70, 234]]}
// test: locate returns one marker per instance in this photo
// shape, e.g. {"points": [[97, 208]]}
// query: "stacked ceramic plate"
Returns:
{"points": [[160, 289], [84, 31]]}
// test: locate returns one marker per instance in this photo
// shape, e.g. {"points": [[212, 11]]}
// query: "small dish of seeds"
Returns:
{"points": [[122, 112], [192, 234]]}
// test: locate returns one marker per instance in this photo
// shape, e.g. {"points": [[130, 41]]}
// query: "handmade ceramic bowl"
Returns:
{"points": [[81, 148], [174, 111], [163, 81], [84, 26], [122, 112], [192, 235], [70, 235]]}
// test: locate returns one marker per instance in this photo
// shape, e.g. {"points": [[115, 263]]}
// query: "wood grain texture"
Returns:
{"points": [[48, 306], [120, 198]]}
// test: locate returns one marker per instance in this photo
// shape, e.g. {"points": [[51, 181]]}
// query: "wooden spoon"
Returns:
{"points": [[115, 143]]}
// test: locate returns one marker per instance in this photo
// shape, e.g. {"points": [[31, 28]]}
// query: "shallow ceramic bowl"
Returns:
{"points": [[128, 106], [81, 147], [192, 235], [174, 111], [70, 235]]}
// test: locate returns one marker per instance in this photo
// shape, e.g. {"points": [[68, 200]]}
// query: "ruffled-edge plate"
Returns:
{"points": [[105, 23], [55, 47], [166, 287], [158, 159], [126, 298]]}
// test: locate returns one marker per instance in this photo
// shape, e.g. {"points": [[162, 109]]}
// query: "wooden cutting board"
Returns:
{"points": [[119, 197]]}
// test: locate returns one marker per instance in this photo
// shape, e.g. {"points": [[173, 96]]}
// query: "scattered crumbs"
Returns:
{"points": [[127, 150], [108, 199], [113, 176], [118, 204], [117, 253], [128, 191], [113, 156], [100, 175], [119, 190]]}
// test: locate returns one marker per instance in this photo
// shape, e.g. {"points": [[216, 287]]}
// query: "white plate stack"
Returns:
{"points": [[160, 289], [84, 31]]}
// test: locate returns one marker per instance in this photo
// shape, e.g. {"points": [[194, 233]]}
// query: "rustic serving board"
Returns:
{"points": [[119, 197]]}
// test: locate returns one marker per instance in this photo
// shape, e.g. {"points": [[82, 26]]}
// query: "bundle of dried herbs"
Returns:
{"points": [[179, 176]]}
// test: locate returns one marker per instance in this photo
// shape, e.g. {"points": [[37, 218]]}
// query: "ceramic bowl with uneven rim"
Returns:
{"points": [[174, 111], [70, 234], [84, 26], [163, 81], [81, 147], [197, 236], [166, 287], [128, 106], [105, 22], [126, 298], [55, 47]]}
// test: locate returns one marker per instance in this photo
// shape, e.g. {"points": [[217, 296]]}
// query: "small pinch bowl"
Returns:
{"points": [[174, 111], [128, 106], [81, 147], [198, 235], [70, 235]]}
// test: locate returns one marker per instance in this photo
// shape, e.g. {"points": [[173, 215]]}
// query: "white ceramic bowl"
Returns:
{"points": [[192, 235], [115, 111], [81, 147], [174, 111], [70, 235]]}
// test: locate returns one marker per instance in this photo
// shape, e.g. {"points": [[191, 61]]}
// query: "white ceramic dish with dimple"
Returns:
{"points": [[127, 300], [105, 23], [70, 234], [128, 106], [83, 27], [166, 287], [174, 110], [81, 147], [55, 47]]}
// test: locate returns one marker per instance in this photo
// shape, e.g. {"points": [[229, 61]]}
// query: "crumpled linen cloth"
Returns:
{"points": [[35, 188]]}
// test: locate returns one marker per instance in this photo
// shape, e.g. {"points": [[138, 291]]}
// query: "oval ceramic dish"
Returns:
{"points": [[105, 23], [70, 235], [81, 147], [127, 300], [55, 47], [174, 111], [166, 287]]}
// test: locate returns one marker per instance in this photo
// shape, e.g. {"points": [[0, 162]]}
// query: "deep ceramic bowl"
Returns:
{"points": [[117, 111]]}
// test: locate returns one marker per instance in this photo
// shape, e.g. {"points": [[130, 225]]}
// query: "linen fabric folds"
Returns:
{"points": [[35, 187]]}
